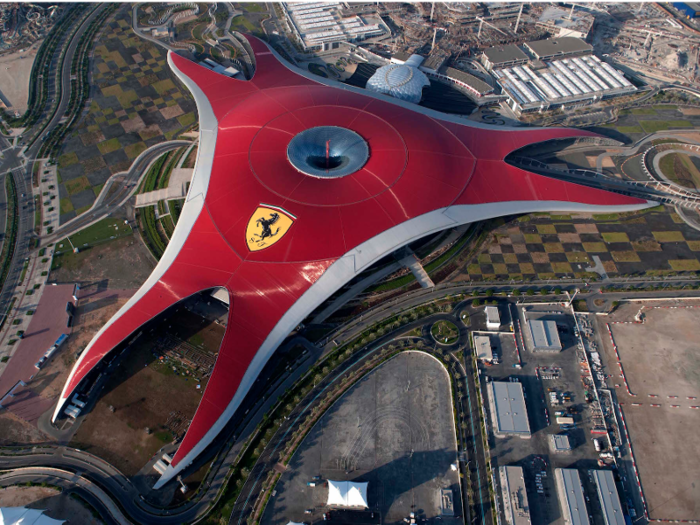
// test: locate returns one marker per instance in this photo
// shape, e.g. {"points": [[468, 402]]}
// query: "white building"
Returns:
{"points": [[515, 505], [566, 83], [493, 319], [508, 411], [347, 494], [544, 335], [608, 497], [321, 26], [571, 499], [482, 348]]}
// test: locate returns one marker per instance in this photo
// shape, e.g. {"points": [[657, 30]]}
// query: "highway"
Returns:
{"points": [[20, 165]]}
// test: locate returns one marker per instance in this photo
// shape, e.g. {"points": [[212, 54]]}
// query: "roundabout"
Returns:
{"points": [[445, 332]]}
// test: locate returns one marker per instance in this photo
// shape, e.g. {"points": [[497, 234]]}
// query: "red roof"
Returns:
{"points": [[417, 164]]}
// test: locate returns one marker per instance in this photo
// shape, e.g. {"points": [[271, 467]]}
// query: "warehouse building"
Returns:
{"points": [[515, 505], [482, 348], [559, 443], [559, 48], [571, 82], [543, 335], [508, 411], [689, 9], [471, 85], [571, 499], [608, 497], [493, 320], [321, 26], [503, 56]]}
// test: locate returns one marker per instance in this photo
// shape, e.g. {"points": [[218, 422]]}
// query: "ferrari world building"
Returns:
{"points": [[300, 184]]}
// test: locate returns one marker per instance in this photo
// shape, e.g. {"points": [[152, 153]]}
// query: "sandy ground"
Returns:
{"points": [[14, 430], [661, 358], [57, 505], [14, 77]]}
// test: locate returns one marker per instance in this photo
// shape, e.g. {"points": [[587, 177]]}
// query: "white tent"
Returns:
{"points": [[294, 523], [347, 494], [24, 516]]}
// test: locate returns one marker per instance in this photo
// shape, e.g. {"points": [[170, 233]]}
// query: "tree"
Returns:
{"points": [[557, 290], [476, 302], [530, 292], [516, 292], [489, 293]]}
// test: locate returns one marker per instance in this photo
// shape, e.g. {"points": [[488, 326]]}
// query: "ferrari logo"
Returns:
{"points": [[267, 226]]}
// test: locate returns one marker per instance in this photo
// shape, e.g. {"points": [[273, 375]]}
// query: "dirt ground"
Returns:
{"points": [[144, 393], [120, 264], [14, 430], [661, 358], [57, 505], [14, 77], [50, 380]]}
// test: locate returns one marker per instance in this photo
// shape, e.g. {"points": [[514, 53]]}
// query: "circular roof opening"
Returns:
{"points": [[327, 152]]}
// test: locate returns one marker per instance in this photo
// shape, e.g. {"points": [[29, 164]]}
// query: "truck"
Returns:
{"points": [[597, 445], [565, 421], [560, 413]]}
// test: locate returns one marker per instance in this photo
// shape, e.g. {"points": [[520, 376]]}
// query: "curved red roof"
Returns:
{"points": [[418, 163]]}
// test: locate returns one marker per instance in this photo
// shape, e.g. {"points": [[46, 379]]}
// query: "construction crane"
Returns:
{"points": [[517, 22], [481, 24]]}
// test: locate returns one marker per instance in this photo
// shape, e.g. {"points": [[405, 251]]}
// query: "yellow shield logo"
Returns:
{"points": [[267, 226]]}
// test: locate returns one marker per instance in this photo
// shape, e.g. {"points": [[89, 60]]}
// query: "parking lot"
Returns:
{"points": [[544, 376], [395, 430]]}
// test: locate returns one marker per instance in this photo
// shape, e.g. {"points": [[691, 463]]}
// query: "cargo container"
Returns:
{"points": [[565, 420]]}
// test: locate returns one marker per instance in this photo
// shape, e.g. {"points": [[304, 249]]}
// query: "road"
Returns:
{"points": [[117, 191], [20, 165]]}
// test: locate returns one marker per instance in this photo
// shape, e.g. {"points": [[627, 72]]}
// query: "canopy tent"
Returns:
{"points": [[347, 494], [294, 523], [24, 516]]}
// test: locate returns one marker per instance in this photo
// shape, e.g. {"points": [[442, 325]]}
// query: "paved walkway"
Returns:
{"points": [[45, 326]]}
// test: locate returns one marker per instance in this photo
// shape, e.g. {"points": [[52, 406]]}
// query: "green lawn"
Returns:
{"points": [[77, 185], [163, 86], [577, 257], [66, 205], [615, 237], [685, 265], [546, 229], [629, 129], [108, 146], [652, 126], [67, 159], [669, 236], [134, 150], [595, 247], [445, 332], [102, 231], [186, 119]]}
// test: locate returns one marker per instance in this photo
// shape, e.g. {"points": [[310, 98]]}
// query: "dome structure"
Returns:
{"points": [[327, 152], [403, 81]]}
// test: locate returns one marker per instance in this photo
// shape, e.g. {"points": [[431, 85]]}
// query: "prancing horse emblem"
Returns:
{"points": [[267, 226]]}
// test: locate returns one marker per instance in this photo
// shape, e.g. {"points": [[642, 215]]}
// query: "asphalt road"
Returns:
{"points": [[114, 197], [69, 486], [20, 165]]}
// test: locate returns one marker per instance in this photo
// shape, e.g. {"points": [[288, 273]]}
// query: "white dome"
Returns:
{"points": [[402, 81]]}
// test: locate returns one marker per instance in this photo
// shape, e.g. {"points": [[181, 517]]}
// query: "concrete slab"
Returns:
{"points": [[393, 429]]}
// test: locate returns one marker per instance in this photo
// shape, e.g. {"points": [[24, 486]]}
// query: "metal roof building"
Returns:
{"points": [[562, 83], [482, 348], [515, 504], [403, 81], [508, 411], [283, 239], [558, 48], [503, 56], [571, 499], [544, 335], [559, 443], [493, 319], [608, 497]]}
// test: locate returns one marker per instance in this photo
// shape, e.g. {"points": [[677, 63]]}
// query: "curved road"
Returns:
{"points": [[21, 170]]}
